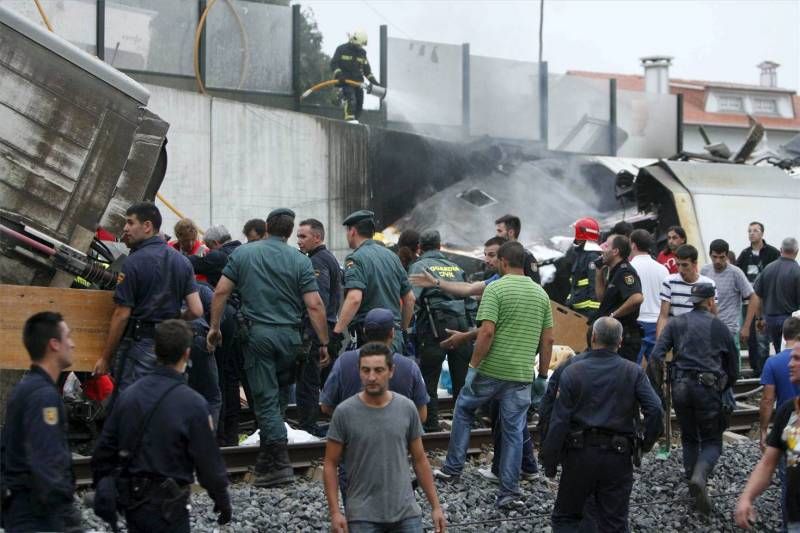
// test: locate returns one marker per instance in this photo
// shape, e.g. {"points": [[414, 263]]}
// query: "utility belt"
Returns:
{"points": [[435, 321], [594, 438], [707, 379], [170, 496], [140, 329]]}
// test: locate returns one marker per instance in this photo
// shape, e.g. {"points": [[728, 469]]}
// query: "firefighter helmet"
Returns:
{"points": [[587, 229], [358, 37]]}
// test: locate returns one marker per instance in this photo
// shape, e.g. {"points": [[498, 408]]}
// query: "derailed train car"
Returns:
{"points": [[77, 146]]}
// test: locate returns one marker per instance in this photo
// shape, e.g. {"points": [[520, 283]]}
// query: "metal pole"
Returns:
{"points": [[100, 29], [543, 102], [296, 87], [465, 94], [679, 124], [383, 53], [201, 49], [612, 116]]}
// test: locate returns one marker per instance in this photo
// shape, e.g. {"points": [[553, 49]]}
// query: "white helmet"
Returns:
{"points": [[358, 37]]}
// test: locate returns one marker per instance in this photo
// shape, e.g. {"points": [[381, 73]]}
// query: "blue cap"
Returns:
{"points": [[379, 318], [702, 291]]}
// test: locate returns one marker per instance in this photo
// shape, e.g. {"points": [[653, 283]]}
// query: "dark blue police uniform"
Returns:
{"points": [[154, 281], [177, 442], [623, 282], [592, 434], [702, 372], [203, 372], [211, 264], [37, 463], [311, 377]]}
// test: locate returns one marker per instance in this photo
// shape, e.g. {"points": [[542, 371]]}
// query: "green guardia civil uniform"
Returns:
{"points": [[271, 278]]}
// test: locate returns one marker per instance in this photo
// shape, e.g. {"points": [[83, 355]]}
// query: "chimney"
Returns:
{"points": [[769, 73], [656, 73]]}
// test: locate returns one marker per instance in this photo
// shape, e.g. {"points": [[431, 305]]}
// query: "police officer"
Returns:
{"points": [[36, 477], [311, 241], [159, 434], [276, 283], [155, 280], [620, 293], [436, 312], [350, 62], [592, 432], [703, 370], [582, 256], [373, 277]]}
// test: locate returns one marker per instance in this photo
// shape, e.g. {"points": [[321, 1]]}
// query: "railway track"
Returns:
{"points": [[238, 459]]}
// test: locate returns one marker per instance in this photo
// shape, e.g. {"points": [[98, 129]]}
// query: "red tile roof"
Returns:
{"points": [[694, 98]]}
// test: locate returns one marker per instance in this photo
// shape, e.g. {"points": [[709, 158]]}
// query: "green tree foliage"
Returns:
{"points": [[314, 63]]}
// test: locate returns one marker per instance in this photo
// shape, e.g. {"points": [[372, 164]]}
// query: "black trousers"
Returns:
{"points": [[22, 514], [230, 364], [602, 477], [353, 100], [631, 343], [431, 356], [699, 411], [147, 518]]}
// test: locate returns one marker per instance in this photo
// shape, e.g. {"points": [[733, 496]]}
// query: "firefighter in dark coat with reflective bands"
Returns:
{"points": [[36, 476], [350, 62], [705, 366], [592, 432], [620, 293], [583, 254]]}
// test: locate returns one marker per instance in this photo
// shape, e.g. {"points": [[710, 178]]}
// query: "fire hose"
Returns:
{"points": [[371, 88]]}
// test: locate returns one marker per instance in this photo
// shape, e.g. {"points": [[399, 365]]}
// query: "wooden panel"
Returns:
{"points": [[88, 314], [569, 327]]}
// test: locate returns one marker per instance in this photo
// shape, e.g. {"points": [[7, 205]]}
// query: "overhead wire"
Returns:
{"points": [[384, 17]]}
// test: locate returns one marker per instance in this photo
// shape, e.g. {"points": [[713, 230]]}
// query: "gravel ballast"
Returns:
{"points": [[658, 484]]}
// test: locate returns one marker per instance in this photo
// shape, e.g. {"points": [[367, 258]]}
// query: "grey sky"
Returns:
{"points": [[720, 40]]}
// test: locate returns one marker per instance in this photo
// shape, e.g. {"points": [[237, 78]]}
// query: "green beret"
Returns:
{"points": [[280, 211], [357, 217]]}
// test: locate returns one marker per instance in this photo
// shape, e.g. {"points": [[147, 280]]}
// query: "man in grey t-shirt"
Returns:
{"points": [[375, 431], [732, 288]]}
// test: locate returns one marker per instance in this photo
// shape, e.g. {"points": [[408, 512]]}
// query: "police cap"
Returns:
{"points": [[379, 318], [358, 216], [702, 291], [430, 238], [281, 211]]}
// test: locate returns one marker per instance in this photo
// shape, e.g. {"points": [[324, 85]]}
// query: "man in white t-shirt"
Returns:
{"points": [[652, 273], [676, 290]]}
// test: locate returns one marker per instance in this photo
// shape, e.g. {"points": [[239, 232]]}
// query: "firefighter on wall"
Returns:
{"points": [[584, 252], [350, 63]]}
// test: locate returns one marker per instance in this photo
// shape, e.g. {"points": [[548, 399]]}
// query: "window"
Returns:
{"points": [[730, 104], [477, 197], [765, 106]]}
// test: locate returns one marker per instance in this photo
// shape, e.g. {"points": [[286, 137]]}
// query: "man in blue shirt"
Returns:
{"points": [[775, 378], [154, 282], [344, 380]]}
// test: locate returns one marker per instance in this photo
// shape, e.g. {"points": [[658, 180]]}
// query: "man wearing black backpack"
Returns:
{"points": [[159, 433]]}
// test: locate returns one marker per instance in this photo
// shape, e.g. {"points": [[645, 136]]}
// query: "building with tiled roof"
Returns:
{"points": [[720, 107]]}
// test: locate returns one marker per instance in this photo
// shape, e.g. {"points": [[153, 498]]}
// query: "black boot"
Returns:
{"points": [[264, 459], [280, 468], [698, 488]]}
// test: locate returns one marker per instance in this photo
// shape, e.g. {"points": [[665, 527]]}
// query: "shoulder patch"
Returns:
{"points": [[120, 277], [629, 279], [50, 415]]}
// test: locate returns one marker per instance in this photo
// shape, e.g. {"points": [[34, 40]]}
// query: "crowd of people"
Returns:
{"points": [[196, 321]]}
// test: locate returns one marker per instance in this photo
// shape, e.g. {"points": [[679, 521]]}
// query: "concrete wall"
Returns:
{"points": [[232, 161]]}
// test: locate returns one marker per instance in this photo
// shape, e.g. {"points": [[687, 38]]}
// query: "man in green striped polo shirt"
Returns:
{"points": [[516, 322]]}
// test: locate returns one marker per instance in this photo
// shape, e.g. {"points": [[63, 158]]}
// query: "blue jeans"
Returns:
{"points": [[135, 358], [648, 340], [407, 525], [514, 399]]}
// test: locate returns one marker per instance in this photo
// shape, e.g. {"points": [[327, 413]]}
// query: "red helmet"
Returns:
{"points": [[586, 229]]}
